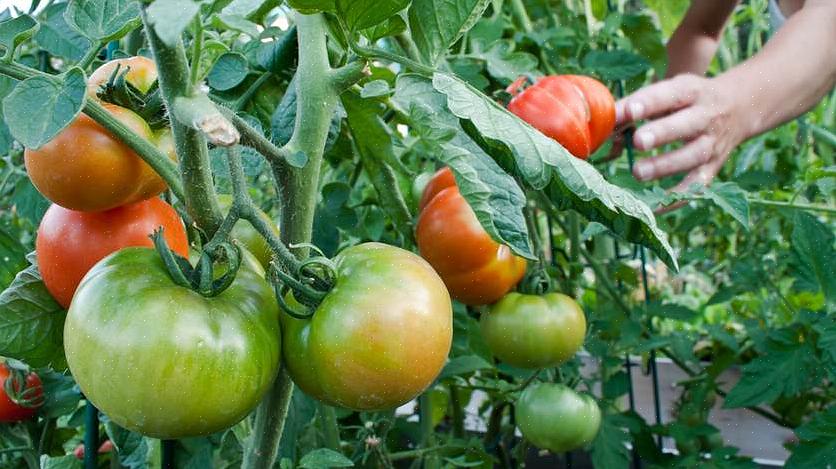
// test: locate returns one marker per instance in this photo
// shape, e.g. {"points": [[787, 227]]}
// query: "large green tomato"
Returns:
{"points": [[163, 360], [530, 331], [556, 418], [379, 338]]}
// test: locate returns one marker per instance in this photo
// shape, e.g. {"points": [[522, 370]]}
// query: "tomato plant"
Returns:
{"points": [[70, 243], [532, 331], [476, 269], [396, 314], [20, 396]]}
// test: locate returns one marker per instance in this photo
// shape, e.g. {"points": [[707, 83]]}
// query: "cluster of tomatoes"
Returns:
{"points": [[523, 330]]}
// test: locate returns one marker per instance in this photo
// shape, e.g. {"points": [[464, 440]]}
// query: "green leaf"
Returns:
{"points": [[236, 23], [505, 64], [732, 199], [39, 108], [615, 64], [313, 6], [228, 72], [813, 256], [103, 20], [464, 365], [61, 462], [570, 183], [787, 367], [362, 14], [671, 311], [132, 448], [493, 195], [646, 40], [818, 442], [171, 17], [31, 322], [609, 449], [373, 140], [57, 37], [670, 13], [12, 258], [16, 30], [324, 458], [212, 50], [375, 89], [61, 394], [242, 7], [436, 25], [28, 202], [391, 27]]}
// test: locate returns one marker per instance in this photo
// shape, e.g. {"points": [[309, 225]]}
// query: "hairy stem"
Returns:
{"points": [[316, 105], [192, 150]]}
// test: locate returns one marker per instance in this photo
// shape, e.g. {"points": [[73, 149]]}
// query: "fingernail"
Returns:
{"points": [[636, 110], [641, 172], [645, 139]]}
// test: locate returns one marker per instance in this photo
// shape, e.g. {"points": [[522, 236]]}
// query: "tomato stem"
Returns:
{"points": [[192, 150], [316, 106], [91, 55]]}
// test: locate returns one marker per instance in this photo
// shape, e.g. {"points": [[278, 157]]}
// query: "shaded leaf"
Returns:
{"points": [[16, 30], [615, 64], [324, 458], [435, 25], [228, 72], [570, 183], [39, 107], [57, 37]]}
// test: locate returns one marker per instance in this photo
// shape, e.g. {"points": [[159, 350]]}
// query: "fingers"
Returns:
{"points": [[702, 175], [692, 155], [658, 99], [682, 125]]}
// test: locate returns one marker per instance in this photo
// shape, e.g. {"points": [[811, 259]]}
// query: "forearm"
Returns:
{"points": [[694, 43], [796, 68]]}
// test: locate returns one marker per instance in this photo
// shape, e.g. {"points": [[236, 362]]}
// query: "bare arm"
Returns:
{"points": [[712, 116], [694, 43]]}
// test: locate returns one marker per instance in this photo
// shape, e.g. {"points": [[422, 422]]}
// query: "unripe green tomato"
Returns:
{"points": [[531, 331], [161, 359], [244, 232], [556, 418]]}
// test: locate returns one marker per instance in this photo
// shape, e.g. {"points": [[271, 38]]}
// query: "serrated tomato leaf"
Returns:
{"points": [[570, 183], [39, 108], [436, 24], [493, 195]]}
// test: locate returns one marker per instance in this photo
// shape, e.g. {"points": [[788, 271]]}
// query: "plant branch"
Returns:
{"points": [[90, 55], [252, 137], [192, 150], [374, 53], [248, 94], [197, 49], [316, 105], [520, 13], [791, 205], [199, 113]]}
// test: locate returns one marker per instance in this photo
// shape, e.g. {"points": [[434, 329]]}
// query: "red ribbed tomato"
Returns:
{"points": [[576, 111], [476, 269], [70, 243]]}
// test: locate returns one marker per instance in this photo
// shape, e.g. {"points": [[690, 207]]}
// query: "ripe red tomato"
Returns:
{"points": [[86, 168], [141, 73], [11, 411], [476, 269], [70, 243], [576, 111]]}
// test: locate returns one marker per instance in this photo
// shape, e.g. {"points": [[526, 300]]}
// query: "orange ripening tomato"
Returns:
{"points": [[141, 74], [576, 111], [86, 168], [70, 243], [476, 269]]}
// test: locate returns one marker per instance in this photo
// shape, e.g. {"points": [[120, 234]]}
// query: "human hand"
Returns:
{"points": [[700, 112]]}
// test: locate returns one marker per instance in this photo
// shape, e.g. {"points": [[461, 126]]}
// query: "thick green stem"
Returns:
{"points": [[316, 105], [90, 56], [254, 138], [192, 150], [521, 15], [458, 412], [269, 424], [329, 426]]}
